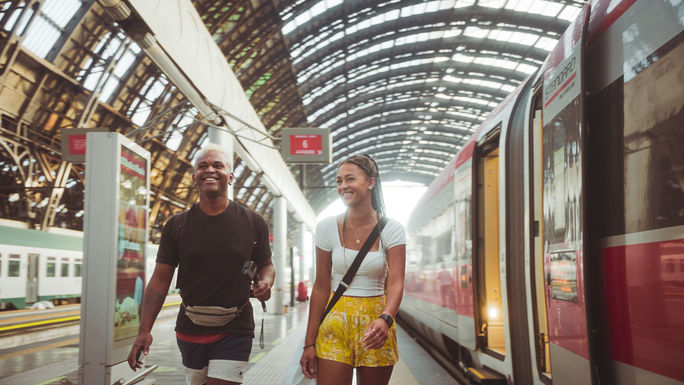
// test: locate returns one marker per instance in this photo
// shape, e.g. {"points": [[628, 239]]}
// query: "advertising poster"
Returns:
{"points": [[132, 225]]}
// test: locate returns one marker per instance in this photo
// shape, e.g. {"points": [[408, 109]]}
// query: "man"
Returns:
{"points": [[210, 244]]}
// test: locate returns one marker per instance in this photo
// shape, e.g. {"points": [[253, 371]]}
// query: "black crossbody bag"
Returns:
{"points": [[351, 272]]}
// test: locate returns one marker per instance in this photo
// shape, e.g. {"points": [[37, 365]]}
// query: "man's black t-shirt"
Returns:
{"points": [[213, 249]]}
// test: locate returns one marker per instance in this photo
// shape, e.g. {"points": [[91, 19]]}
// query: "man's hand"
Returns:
{"points": [[141, 345], [262, 291]]}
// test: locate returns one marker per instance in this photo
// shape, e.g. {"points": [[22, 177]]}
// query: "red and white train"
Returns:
{"points": [[551, 249]]}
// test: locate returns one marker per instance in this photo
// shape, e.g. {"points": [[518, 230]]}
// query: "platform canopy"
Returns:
{"points": [[404, 81]]}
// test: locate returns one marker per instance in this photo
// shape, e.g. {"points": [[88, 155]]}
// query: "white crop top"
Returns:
{"points": [[369, 280]]}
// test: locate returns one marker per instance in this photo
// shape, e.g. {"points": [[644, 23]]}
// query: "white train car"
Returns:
{"points": [[44, 266]]}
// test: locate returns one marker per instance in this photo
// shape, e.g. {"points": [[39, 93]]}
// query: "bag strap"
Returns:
{"points": [[179, 222], [349, 275]]}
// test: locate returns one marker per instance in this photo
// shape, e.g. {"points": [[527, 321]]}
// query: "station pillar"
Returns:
{"points": [[225, 141], [279, 253], [301, 240]]}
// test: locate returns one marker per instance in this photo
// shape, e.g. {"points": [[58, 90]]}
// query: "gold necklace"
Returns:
{"points": [[358, 239], [344, 225]]}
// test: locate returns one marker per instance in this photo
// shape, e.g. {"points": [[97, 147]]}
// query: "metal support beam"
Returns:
{"points": [[56, 195]]}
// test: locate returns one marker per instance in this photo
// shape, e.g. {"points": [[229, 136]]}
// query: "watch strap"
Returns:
{"points": [[388, 319]]}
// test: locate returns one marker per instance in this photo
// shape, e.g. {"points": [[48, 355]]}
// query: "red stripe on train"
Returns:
{"points": [[644, 305], [604, 14]]}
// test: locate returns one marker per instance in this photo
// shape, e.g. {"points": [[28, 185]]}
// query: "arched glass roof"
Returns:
{"points": [[410, 81], [406, 81]]}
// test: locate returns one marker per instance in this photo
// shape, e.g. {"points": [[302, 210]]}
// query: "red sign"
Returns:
{"points": [[306, 145], [77, 144]]}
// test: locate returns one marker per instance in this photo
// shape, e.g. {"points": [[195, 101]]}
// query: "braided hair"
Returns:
{"points": [[370, 168]]}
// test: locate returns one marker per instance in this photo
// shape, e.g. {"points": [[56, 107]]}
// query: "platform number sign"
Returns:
{"points": [[306, 145]]}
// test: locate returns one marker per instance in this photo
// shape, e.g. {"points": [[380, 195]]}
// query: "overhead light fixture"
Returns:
{"points": [[116, 9]]}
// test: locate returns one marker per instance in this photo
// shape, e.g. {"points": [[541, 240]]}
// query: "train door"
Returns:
{"points": [[491, 331], [32, 278], [539, 300], [562, 191]]}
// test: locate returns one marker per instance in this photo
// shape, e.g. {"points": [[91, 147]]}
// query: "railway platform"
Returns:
{"points": [[55, 360]]}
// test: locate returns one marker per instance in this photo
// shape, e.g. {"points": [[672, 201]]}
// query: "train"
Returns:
{"points": [[550, 250], [37, 266]]}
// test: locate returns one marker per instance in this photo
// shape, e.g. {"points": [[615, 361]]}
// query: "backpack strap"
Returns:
{"points": [[180, 221], [252, 219]]}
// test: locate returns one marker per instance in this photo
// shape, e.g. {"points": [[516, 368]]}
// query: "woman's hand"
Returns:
{"points": [[376, 334], [308, 362]]}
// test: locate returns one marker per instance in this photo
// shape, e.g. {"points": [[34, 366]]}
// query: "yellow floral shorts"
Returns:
{"points": [[340, 336]]}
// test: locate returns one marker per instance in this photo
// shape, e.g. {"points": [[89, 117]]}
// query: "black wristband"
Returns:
{"points": [[309, 345], [388, 319]]}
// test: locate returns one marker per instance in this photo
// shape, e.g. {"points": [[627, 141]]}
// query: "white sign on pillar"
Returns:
{"points": [[115, 236]]}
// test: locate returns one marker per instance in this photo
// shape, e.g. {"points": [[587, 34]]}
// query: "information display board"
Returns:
{"points": [[306, 145], [115, 236]]}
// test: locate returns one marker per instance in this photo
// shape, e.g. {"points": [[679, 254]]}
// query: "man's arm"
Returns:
{"points": [[266, 273], [155, 294]]}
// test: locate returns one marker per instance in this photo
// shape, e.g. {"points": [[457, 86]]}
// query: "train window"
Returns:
{"points": [[51, 267], [13, 267], [77, 267], [64, 267]]}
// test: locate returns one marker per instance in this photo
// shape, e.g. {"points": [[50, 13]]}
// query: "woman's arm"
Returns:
{"points": [[396, 264], [378, 330], [319, 299]]}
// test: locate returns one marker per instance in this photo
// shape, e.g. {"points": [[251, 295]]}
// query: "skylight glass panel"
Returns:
{"points": [[61, 11], [140, 116], [464, 3], [332, 3], [174, 140], [526, 68], [289, 27], [476, 32], [124, 63], [318, 8], [459, 57], [48, 25], [303, 18], [523, 38], [108, 89], [453, 33], [492, 3], [546, 43], [569, 13], [547, 8], [41, 36], [452, 79], [472, 100], [156, 90]]}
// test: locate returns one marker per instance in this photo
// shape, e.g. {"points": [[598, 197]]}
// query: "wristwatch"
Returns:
{"points": [[387, 318]]}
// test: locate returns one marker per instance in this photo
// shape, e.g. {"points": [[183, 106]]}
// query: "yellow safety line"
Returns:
{"points": [[55, 320], [257, 357], [51, 381], [39, 323], [476, 373]]}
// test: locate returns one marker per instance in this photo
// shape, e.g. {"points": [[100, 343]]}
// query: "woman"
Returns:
{"points": [[359, 332]]}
